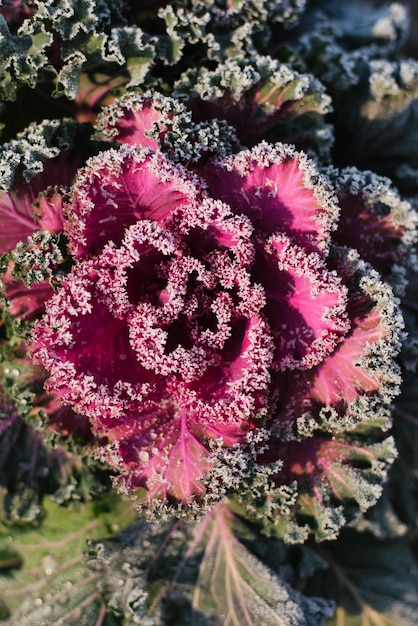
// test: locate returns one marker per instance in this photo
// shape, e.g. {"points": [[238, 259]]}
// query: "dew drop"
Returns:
{"points": [[144, 456], [63, 598]]}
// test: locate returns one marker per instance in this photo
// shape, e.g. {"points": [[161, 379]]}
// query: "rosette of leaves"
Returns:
{"points": [[200, 378], [276, 406]]}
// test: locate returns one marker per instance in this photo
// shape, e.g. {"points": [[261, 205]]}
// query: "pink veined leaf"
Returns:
{"points": [[347, 470], [188, 463], [118, 188], [161, 453], [306, 303], [342, 377], [25, 303], [135, 118], [35, 205], [279, 190], [359, 379], [363, 364], [315, 455], [16, 218], [318, 476]]}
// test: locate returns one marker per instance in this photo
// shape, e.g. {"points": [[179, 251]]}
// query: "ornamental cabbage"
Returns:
{"points": [[214, 324]]}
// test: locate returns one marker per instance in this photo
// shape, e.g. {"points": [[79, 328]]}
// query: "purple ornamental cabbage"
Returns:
{"points": [[209, 309]]}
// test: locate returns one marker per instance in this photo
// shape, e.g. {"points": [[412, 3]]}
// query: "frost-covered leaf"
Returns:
{"points": [[354, 384], [379, 118], [28, 152], [373, 582], [147, 187], [325, 417], [86, 36], [181, 27], [155, 121], [54, 586], [21, 57], [388, 223], [321, 486], [280, 191], [234, 587], [204, 573], [342, 36], [261, 99]]}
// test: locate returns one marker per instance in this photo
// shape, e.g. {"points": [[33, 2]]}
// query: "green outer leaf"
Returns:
{"points": [[21, 57], [54, 585], [216, 571], [236, 589], [374, 582]]}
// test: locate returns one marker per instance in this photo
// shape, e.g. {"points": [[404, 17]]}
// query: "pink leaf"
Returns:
{"points": [[25, 303], [131, 119], [279, 190], [35, 205], [305, 303], [116, 189], [16, 218]]}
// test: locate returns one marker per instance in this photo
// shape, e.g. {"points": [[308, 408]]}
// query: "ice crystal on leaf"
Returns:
{"points": [[207, 306], [208, 234], [261, 99], [388, 223], [155, 121]]}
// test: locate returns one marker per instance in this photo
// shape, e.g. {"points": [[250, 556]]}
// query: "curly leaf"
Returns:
{"points": [[375, 127], [22, 57]]}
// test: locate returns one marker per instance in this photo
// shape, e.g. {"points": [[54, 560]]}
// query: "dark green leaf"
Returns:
{"points": [[374, 582], [207, 573]]}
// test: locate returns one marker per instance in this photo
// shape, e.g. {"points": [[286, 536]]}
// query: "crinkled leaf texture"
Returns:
{"points": [[198, 574], [22, 57], [261, 99], [38, 144], [210, 304], [374, 582], [376, 123]]}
